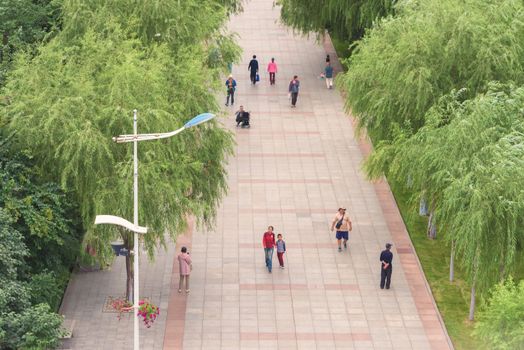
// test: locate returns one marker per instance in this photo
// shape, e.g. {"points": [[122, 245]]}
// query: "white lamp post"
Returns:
{"points": [[115, 220]]}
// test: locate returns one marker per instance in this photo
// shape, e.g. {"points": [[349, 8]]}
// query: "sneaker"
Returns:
{"points": [[281, 267], [227, 105], [345, 245], [339, 249]]}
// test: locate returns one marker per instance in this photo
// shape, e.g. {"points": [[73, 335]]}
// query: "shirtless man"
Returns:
{"points": [[343, 225]]}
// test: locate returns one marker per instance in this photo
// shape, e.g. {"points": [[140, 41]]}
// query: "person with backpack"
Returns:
{"points": [[294, 86], [272, 70], [253, 69], [231, 86], [268, 241], [343, 225]]}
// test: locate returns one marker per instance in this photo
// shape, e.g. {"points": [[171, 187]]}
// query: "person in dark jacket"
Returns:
{"points": [[294, 86], [242, 118], [253, 69], [386, 259]]}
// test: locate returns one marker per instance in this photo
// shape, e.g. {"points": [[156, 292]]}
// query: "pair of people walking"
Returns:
{"points": [[269, 244]]}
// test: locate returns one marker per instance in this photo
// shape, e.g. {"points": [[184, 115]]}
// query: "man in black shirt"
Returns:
{"points": [[253, 69], [242, 118], [386, 257]]}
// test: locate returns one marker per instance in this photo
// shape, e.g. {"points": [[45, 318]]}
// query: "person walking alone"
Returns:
{"points": [[231, 86], [185, 267], [328, 73], [253, 69], [386, 258], [343, 225], [268, 241], [294, 86], [272, 70]]}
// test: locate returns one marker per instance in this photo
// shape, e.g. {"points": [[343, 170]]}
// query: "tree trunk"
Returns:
{"points": [[129, 269], [452, 262], [432, 227], [472, 302]]}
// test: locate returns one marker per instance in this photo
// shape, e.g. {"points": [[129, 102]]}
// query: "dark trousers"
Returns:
{"points": [[385, 276], [294, 96], [271, 78], [280, 258], [230, 93], [253, 76]]}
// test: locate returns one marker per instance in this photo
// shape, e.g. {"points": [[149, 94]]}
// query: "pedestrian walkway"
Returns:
{"points": [[292, 170]]}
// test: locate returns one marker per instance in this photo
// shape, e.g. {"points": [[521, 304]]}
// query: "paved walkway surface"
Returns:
{"points": [[292, 170], [87, 293]]}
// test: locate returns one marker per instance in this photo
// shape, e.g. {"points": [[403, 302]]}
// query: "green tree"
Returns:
{"points": [[501, 322], [81, 88], [22, 24], [405, 63], [469, 157], [347, 20]]}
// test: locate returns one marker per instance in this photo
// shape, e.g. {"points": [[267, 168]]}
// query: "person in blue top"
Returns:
{"points": [[386, 258], [294, 86], [328, 73], [253, 69], [281, 249], [231, 86]]}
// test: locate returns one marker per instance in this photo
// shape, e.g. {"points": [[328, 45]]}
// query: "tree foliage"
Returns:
{"points": [[66, 103], [501, 323], [407, 62], [22, 24], [345, 19]]}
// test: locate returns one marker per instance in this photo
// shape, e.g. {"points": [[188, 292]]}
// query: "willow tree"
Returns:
{"points": [[111, 57], [471, 156], [405, 63], [347, 20]]}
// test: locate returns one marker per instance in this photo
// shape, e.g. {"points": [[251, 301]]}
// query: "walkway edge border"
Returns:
{"points": [[366, 146]]}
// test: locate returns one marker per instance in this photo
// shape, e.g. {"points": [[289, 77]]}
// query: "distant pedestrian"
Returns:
{"points": [[253, 69], [185, 267], [328, 74], [281, 249], [343, 225], [294, 86], [231, 86], [386, 258], [328, 59], [268, 241], [272, 69]]}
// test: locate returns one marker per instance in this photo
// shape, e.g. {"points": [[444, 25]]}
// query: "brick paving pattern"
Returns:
{"points": [[292, 170]]}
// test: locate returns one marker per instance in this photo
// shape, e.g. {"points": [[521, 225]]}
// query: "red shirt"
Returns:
{"points": [[268, 241]]}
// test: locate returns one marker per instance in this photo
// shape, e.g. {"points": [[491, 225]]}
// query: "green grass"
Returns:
{"points": [[452, 297]]}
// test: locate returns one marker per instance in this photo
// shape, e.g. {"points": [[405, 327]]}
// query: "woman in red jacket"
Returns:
{"points": [[268, 241]]}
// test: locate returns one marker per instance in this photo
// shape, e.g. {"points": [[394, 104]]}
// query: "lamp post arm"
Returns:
{"points": [[146, 137]]}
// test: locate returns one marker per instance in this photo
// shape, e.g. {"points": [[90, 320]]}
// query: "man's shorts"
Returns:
{"points": [[343, 235]]}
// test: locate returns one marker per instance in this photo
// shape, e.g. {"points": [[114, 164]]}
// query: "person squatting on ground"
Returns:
{"points": [[281, 249], [328, 74], [272, 70], [253, 69], [294, 86], [242, 118], [268, 241], [231, 86], [343, 225], [386, 258], [185, 267]]}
